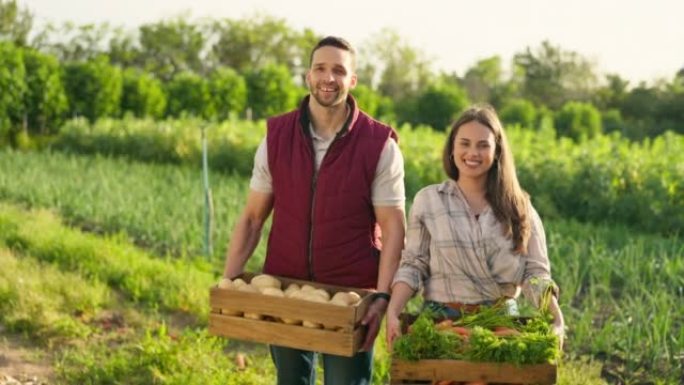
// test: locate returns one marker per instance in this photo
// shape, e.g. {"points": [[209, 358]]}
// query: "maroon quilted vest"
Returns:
{"points": [[324, 229]]}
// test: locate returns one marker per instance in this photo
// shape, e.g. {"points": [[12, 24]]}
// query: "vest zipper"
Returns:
{"points": [[313, 201], [311, 226]]}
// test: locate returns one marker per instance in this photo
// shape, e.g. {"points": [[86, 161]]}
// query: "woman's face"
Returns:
{"points": [[474, 150]]}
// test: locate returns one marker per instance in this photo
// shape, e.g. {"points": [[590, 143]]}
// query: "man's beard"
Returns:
{"points": [[336, 100]]}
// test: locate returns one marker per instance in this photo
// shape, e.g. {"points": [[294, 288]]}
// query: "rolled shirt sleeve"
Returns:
{"points": [[388, 185], [537, 279], [415, 258], [261, 175]]}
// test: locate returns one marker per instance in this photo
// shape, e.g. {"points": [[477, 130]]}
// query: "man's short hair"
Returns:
{"points": [[337, 42]]}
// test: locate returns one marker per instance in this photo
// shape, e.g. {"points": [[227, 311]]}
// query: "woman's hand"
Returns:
{"points": [[393, 329], [558, 329]]}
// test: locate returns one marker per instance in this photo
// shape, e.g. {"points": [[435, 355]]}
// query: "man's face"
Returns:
{"points": [[331, 76]]}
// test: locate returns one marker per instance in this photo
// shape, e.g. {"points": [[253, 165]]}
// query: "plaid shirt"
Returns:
{"points": [[455, 257]]}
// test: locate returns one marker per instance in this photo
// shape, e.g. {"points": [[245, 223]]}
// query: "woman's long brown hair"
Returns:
{"points": [[509, 202]]}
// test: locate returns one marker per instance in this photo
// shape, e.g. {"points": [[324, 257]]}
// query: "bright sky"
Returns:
{"points": [[638, 39]]}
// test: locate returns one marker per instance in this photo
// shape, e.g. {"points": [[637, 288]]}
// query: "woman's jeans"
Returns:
{"points": [[298, 367]]}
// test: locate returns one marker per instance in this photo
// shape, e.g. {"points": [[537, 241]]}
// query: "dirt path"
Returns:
{"points": [[23, 364]]}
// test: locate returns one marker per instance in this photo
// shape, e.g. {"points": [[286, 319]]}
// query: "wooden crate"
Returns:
{"points": [[345, 338], [407, 372], [426, 371]]}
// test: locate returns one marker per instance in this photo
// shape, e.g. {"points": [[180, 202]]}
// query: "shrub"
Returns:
{"points": [[188, 94], [577, 119], [45, 100], [228, 92], [143, 95], [93, 88], [519, 111]]}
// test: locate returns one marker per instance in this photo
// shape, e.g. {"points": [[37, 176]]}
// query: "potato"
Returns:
{"points": [[324, 294], [254, 316], [311, 325], [238, 282], [341, 299], [234, 313], [291, 289], [248, 288], [308, 288], [272, 291], [225, 283], [354, 297], [314, 297], [264, 280], [289, 321]]}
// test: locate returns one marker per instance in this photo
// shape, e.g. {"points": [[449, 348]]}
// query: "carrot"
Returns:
{"points": [[444, 325], [460, 330], [503, 331]]}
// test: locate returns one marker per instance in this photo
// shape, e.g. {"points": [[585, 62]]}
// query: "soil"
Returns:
{"points": [[23, 364]]}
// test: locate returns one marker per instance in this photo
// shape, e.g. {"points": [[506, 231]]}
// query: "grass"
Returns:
{"points": [[99, 332], [160, 206], [167, 285], [619, 288], [41, 302], [138, 349], [605, 179]]}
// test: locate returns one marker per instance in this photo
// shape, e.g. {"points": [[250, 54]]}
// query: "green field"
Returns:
{"points": [[101, 253]]}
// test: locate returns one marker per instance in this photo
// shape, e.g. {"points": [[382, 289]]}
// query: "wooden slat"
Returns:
{"points": [[473, 371], [325, 341], [329, 315], [346, 317], [247, 277]]}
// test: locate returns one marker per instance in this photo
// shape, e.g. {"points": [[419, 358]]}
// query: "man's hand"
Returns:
{"points": [[372, 320]]}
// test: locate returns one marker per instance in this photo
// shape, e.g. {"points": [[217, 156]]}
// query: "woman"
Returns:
{"points": [[474, 239]]}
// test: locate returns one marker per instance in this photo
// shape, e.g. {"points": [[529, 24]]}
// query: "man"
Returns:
{"points": [[331, 175]]}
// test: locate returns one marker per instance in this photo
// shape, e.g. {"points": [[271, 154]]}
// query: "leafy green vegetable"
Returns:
{"points": [[535, 344], [523, 349], [487, 317], [425, 341]]}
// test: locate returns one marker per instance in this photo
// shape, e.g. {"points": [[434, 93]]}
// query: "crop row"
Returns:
{"points": [[607, 179]]}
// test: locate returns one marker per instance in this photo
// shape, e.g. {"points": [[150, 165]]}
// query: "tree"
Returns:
{"points": [[228, 92], [612, 120], [15, 23], [271, 91], [188, 94], [367, 99], [551, 76], [93, 88], [578, 120], [399, 70], [124, 49], [45, 99], [259, 41], [484, 82], [170, 47], [521, 112], [13, 88], [143, 94], [75, 43], [613, 93], [439, 104]]}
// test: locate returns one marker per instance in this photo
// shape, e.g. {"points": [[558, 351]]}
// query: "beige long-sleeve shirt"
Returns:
{"points": [[457, 257]]}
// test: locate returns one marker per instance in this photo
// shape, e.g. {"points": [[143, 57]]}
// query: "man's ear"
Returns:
{"points": [[307, 78], [353, 81]]}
